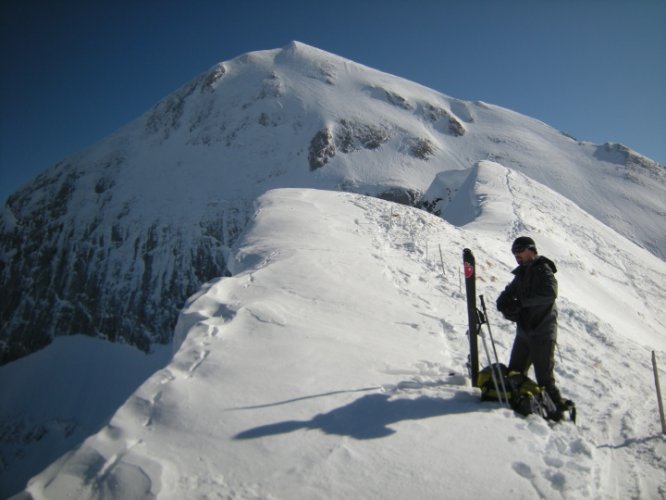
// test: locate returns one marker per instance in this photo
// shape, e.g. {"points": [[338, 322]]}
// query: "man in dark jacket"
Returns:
{"points": [[529, 300]]}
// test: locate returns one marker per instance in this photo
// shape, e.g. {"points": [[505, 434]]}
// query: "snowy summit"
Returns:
{"points": [[283, 236]]}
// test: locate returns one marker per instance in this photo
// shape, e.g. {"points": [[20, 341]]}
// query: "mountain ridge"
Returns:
{"points": [[331, 362], [112, 240]]}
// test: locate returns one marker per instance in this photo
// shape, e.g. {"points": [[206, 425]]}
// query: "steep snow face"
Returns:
{"points": [[111, 241], [330, 364]]}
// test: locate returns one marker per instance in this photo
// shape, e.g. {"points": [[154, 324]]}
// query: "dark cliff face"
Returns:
{"points": [[65, 272]]}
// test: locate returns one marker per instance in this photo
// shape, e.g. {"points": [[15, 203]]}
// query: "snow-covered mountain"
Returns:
{"points": [[324, 355], [111, 241]]}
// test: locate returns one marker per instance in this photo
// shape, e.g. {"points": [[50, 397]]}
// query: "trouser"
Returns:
{"points": [[539, 352]]}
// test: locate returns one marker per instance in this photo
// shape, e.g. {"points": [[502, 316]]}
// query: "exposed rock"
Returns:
{"points": [[354, 136], [271, 87], [404, 196], [388, 96], [165, 117], [421, 148], [442, 120], [213, 76], [397, 100], [321, 150]]}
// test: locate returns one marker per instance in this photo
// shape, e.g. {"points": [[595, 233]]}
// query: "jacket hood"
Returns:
{"points": [[545, 260]]}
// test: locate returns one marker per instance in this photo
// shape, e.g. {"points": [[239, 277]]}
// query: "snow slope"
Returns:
{"points": [[330, 364]]}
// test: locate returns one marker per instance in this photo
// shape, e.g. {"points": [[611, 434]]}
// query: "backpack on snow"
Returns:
{"points": [[524, 395]]}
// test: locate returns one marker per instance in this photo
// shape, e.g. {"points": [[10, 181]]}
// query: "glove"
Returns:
{"points": [[509, 306]]}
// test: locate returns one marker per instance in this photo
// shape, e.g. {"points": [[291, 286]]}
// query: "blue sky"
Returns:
{"points": [[73, 71]]}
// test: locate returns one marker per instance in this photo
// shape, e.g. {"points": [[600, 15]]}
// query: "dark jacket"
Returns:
{"points": [[529, 299]]}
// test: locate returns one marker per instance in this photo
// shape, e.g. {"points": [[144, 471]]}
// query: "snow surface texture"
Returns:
{"points": [[111, 241], [330, 364]]}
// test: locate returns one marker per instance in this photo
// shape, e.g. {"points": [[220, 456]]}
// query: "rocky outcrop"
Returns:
{"points": [[441, 119], [322, 149], [349, 136], [353, 136]]}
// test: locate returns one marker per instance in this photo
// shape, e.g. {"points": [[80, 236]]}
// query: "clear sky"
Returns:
{"points": [[73, 71]]}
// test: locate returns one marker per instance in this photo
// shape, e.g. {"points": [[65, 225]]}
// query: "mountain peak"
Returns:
{"points": [[111, 241], [296, 46], [305, 51]]}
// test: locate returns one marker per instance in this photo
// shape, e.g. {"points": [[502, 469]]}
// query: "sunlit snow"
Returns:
{"points": [[331, 363]]}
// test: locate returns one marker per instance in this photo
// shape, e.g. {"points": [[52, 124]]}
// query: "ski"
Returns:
{"points": [[469, 266]]}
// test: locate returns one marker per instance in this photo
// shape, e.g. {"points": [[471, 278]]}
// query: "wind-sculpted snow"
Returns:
{"points": [[112, 240], [330, 364]]}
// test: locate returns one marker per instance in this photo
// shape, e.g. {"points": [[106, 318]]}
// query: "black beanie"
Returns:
{"points": [[524, 242]]}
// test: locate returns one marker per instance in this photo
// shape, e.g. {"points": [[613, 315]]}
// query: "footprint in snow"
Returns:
{"points": [[523, 470]]}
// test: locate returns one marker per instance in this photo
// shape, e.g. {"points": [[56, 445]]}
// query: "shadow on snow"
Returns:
{"points": [[369, 416]]}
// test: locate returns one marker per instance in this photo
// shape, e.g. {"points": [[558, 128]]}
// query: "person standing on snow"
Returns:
{"points": [[529, 301]]}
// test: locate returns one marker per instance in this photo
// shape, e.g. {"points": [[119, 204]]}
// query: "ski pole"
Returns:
{"points": [[485, 316], [492, 342], [493, 366], [659, 401], [441, 260]]}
